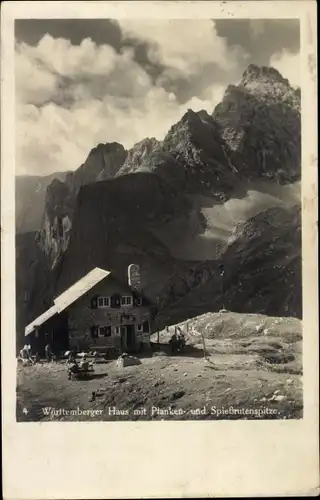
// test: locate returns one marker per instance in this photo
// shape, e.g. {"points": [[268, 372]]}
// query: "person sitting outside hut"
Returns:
{"points": [[71, 357], [84, 364], [73, 369], [37, 358], [25, 354]]}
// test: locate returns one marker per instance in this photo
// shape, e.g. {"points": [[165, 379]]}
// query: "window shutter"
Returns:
{"points": [[94, 302], [137, 301], [116, 301]]}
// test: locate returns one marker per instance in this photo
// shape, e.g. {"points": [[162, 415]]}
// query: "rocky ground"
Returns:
{"points": [[252, 370]]}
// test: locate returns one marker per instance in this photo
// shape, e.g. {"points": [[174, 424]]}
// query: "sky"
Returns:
{"points": [[80, 82]]}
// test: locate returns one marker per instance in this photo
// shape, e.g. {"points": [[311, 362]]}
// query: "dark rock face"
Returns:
{"points": [[122, 207], [102, 163], [30, 195], [260, 122], [53, 238], [117, 230], [34, 282]]}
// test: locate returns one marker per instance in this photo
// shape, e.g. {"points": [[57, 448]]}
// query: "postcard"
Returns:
{"points": [[159, 250]]}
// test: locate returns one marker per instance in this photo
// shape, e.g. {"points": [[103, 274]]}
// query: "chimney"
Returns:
{"points": [[134, 277]]}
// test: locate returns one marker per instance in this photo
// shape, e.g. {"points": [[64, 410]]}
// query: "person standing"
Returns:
{"points": [[48, 353]]}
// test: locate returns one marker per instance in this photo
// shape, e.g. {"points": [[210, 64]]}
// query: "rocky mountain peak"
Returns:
{"points": [[190, 116], [103, 162], [266, 83], [137, 154], [260, 122], [255, 73], [193, 129], [108, 147]]}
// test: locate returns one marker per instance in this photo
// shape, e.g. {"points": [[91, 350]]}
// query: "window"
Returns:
{"points": [[117, 330], [126, 301], [139, 301], [104, 331], [103, 301]]}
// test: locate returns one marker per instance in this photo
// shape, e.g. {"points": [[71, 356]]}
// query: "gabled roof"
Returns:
{"points": [[69, 296], [80, 288], [41, 319]]}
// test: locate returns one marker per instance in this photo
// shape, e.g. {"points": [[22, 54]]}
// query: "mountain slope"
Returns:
{"points": [[262, 264], [113, 225]]}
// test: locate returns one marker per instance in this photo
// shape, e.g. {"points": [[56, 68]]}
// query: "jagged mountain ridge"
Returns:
{"points": [[199, 154], [126, 219]]}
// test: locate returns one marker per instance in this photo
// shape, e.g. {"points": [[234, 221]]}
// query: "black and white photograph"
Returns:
{"points": [[159, 297], [158, 219]]}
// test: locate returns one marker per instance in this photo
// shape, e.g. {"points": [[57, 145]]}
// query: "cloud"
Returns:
{"points": [[34, 83], [261, 38], [70, 98], [289, 66], [183, 46]]}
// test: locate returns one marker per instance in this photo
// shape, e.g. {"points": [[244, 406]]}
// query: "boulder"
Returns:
{"points": [[126, 360]]}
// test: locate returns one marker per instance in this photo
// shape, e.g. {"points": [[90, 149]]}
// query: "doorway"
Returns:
{"points": [[128, 342]]}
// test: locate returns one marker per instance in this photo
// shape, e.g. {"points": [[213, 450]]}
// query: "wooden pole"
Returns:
{"points": [[205, 355], [222, 273]]}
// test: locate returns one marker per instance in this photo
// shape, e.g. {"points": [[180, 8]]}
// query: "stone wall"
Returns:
{"points": [[85, 318]]}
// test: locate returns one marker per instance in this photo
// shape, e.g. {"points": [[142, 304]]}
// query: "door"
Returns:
{"points": [[123, 338], [130, 338]]}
